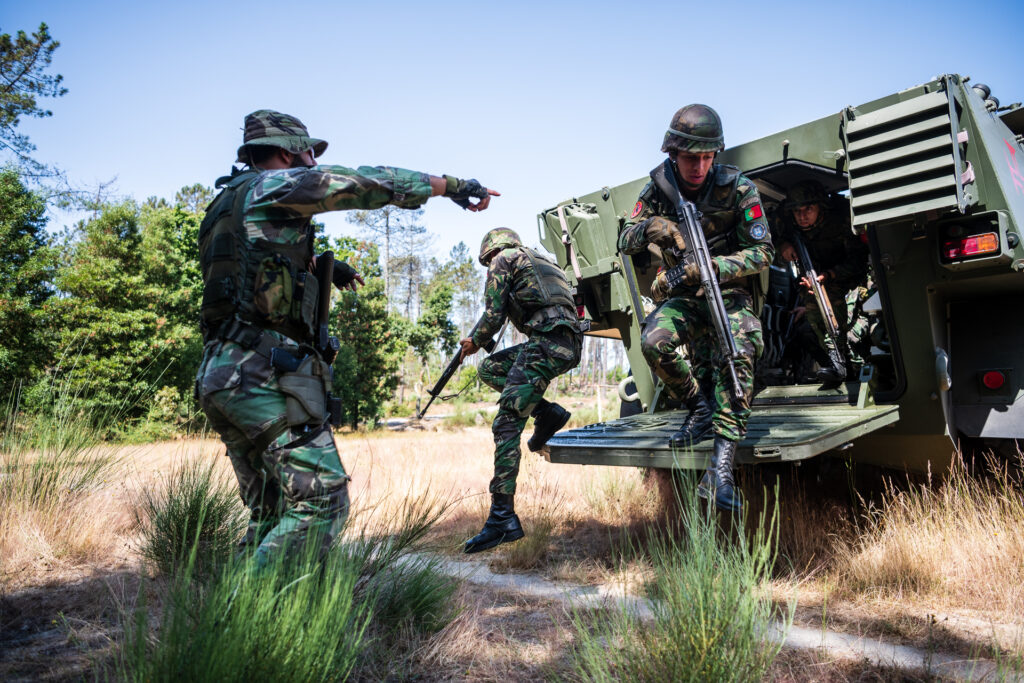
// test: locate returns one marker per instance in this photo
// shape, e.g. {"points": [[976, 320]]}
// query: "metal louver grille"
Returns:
{"points": [[903, 159]]}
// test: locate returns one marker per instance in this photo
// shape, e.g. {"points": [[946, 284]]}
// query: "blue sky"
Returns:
{"points": [[539, 100]]}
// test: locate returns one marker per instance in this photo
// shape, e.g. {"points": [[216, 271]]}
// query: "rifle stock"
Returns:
{"points": [[697, 252]]}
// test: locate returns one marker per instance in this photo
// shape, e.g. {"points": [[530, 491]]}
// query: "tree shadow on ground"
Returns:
{"points": [[66, 630]]}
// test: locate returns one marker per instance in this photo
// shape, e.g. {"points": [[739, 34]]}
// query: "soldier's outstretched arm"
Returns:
{"points": [[306, 191]]}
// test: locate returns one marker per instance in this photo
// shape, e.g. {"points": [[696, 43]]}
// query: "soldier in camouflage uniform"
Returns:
{"points": [[740, 243], [533, 293], [840, 259], [261, 383]]}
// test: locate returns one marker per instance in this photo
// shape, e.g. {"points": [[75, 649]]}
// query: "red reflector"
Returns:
{"points": [[580, 313], [974, 245], [993, 379]]}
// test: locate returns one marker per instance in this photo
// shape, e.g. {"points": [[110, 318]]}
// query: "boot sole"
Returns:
{"points": [[505, 538], [536, 447], [673, 443]]}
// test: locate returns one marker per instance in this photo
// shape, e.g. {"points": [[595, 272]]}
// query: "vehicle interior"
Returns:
{"points": [[788, 357]]}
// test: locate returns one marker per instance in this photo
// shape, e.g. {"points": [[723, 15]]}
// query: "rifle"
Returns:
{"points": [[836, 353], [697, 252], [452, 366]]}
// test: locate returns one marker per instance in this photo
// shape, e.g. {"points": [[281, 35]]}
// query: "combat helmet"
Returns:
{"points": [[274, 129], [806, 192], [694, 128], [498, 238]]}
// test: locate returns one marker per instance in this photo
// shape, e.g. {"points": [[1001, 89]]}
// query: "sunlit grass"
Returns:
{"points": [[711, 617]]}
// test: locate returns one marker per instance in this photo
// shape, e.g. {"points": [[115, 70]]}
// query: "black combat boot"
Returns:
{"points": [[717, 482], [833, 367], [697, 423], [548, 418], [502, 525]]}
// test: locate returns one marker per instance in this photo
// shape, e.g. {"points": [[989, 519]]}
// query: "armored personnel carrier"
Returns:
{"points": [[934, 180]]}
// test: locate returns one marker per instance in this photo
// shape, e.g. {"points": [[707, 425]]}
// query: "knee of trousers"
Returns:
{"points": [[655, 352], [507, 427], [489, 373]]}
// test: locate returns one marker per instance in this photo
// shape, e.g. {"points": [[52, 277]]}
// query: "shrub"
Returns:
{"points": [[710, 618], [296, 618], [192, 521]]}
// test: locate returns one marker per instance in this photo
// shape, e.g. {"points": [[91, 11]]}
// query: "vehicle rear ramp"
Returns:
{"points": [[787, 423]]}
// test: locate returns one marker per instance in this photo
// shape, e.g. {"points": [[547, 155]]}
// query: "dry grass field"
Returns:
{"points": [[937, 565]]}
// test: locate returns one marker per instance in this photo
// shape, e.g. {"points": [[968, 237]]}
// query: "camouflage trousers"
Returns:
{"points": [[289, 476], [816, 318], [685, 320], [522, 373]]}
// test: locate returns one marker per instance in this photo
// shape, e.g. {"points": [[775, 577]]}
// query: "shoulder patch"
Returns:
{"points": [[758, 230], [753, 213], [637, 209]]}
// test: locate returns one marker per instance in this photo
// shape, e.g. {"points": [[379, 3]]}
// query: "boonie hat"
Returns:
{"points": [[274, 129]]}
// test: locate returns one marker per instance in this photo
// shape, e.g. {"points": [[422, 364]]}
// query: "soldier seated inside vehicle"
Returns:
{"points": [[839, 259]]}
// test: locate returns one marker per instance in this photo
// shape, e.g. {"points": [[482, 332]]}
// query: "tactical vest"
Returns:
{"points": [[256, 281], [555, 300], [717, 205]]}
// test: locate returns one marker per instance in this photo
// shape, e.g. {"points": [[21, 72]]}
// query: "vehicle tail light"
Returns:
{"points": [[973, 245], [993, 379]]}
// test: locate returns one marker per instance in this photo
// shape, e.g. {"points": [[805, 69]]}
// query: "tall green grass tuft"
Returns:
{"points": [[51, 462], [358, 611], [194, 518], [710, 622], [49, 455], [292, 620]]}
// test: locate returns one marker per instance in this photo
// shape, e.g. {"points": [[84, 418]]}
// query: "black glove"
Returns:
{"points": [[460, 191], [343, 274]]}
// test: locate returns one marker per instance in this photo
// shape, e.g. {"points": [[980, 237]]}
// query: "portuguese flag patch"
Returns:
{"points": [[753, 213]]}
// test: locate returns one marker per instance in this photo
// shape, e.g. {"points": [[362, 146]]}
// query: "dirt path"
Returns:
{"points": [[835, 644]]}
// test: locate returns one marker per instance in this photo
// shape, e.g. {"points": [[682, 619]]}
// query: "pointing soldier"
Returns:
{"points": [[262, 383], [739, 241], [533, 293]]}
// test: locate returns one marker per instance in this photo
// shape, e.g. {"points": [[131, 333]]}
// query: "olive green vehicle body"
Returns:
{"points": [[922, 167]]}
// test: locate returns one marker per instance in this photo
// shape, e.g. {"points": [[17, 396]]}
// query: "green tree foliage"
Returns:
{"points": [[466, 280], [24, 62], [434, 326], [366, 371], [27, 263], [126, 318]]}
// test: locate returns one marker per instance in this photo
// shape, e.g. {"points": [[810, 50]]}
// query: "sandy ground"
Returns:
{"points": [[59, 616]]}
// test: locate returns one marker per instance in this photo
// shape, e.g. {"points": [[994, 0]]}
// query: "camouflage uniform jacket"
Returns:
{"points": [[512, 291], [281, 203], [734, 224], [255, 272], [833, 249]]}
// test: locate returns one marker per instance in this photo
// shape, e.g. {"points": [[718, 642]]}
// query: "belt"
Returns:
{"points": [[253, 338]]}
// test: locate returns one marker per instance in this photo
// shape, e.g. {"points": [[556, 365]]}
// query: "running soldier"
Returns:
{"points": [[739, 240], [262, 382], [533, 293]]}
